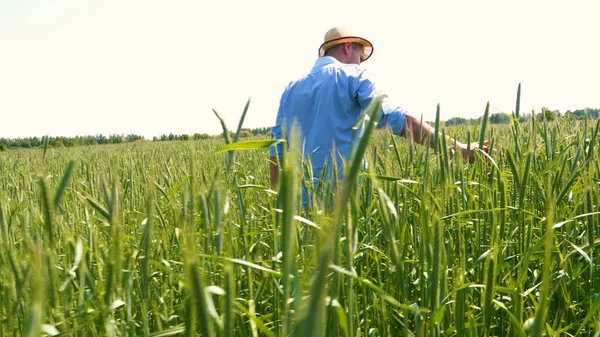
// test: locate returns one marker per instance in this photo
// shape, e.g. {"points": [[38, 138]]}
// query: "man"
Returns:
{"points": [[327, 103]]}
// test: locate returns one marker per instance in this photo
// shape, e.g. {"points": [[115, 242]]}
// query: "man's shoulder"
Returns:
{"points": [[321, 71], [327, 63], [299, 79], [350, 69]]}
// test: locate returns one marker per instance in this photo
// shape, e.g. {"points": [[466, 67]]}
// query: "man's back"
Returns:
{"points": [[325, 106]]}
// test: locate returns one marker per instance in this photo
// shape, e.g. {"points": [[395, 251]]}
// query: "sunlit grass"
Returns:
{"points": [[187, 238]]}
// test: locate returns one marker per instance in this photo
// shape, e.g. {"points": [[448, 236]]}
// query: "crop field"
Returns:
{"points": [[181, 239]]}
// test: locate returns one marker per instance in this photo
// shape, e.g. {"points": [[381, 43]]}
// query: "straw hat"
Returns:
{"points": [[339, 35]]}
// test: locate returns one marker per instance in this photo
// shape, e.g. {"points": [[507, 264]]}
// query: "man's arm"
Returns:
{"points": [[422, 131], [274, 171], [277, 149]]}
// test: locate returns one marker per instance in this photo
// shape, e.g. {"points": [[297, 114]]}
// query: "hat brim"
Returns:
{"points": [[368, 46]]}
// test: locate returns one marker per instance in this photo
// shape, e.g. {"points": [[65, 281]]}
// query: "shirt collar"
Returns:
{"points": [[325, 60]]}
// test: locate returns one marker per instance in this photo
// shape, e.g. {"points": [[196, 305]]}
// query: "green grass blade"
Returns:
{"points": [[539, 324], [35, 314], [63, 184], [247, 145], [225, 130], [484, 122], [48, 212], [241, 123]]}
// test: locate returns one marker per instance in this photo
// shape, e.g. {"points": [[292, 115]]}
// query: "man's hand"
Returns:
{"points": [[468, 150], [421, 132]]}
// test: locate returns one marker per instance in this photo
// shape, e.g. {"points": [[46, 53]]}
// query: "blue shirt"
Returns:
{"points": [[326, 104]]}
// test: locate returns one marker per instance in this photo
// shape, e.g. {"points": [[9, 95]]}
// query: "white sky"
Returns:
{"points": [[74, 67]]}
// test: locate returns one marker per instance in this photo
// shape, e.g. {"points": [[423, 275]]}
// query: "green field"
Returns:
{"points": [[170, 238]]}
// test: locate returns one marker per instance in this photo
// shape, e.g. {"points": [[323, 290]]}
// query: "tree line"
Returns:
{"points": [[545, 113], [36, 142], [49, 141]]}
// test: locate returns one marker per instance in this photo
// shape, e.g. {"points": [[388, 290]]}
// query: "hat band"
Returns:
{"points": [[368, 46]]}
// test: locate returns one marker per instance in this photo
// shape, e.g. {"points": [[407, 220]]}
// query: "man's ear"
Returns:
{"points": [[347, 48]]}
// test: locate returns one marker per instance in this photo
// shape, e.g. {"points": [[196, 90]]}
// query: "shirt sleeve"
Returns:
{"points": [[392, 116]]}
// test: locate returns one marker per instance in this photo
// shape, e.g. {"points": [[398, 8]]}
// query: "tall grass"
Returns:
{"points": [[188, 238]]}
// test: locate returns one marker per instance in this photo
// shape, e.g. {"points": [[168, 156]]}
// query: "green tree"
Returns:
{"points": [[454, 121], [546, 114], [499, 118]]}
